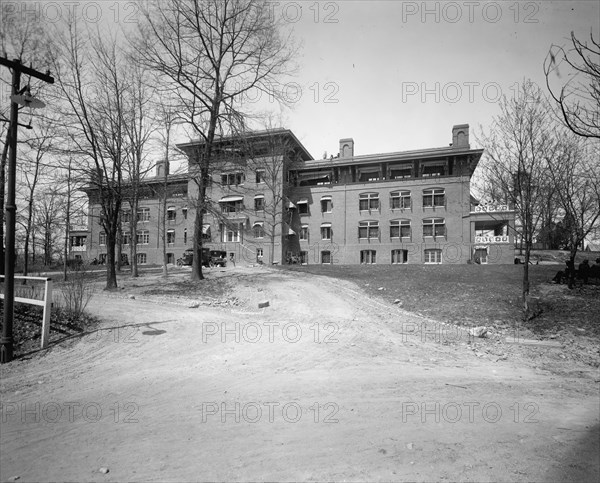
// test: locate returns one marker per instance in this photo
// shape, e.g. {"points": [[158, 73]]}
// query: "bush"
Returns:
{"points": [[76, 293]]}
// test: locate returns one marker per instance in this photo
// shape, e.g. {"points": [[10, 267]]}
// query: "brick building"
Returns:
{"points": [[271, 202]]}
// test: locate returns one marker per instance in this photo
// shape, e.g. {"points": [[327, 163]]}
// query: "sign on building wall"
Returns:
{"points": [[492, 239], [490, 208]]}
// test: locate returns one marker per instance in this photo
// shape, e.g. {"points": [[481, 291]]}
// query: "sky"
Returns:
{"points": [[397, 75]]}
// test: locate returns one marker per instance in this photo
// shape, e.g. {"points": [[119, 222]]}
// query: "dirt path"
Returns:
{"points": [[324, 384]]}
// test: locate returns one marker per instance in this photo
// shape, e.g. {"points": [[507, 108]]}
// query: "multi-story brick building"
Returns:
{"points": [[270, 201]]}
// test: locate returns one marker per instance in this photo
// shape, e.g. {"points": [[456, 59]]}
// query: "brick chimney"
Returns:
{"points": [[346, 148], [161, 167], [460, 136]]}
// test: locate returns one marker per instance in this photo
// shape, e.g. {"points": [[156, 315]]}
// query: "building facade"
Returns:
{"points": [[269, 201]]}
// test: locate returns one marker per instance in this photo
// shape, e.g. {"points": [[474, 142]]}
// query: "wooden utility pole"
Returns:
{"points": [[6, 340]]}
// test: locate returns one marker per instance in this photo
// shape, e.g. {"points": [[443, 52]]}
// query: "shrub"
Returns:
{"points": [[76, 293]]}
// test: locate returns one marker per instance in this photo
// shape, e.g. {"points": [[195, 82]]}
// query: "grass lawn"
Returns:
{"points": [[476, 294]]}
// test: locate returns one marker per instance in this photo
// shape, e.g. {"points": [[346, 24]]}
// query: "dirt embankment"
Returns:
{"points": [[324, 384]]}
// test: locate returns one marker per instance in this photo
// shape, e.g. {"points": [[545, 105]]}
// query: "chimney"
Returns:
{"points": [[346, 148], [161, 167], [460, 136]]}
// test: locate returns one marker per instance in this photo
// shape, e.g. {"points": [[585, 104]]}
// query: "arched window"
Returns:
{"points": [[434, 197], [434, 227], [400, 229], [400, 200]]}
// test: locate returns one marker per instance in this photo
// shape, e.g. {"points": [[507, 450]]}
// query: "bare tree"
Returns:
{"points": [[90, 74], [575, 170], [517, 146], [50, 206], [213, 52], [139, 126], [21, 37], [39, 146], [579, 97], [167, 117]]}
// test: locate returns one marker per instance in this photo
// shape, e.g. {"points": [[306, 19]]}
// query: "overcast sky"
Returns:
{"points": [[397, 75], [403, 73]]}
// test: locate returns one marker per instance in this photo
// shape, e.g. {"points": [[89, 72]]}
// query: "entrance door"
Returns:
{"points": [[481, 255]]}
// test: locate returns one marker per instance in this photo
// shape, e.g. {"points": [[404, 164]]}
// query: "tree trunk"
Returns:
{"points": [[111, 274], [133, 238], [571, 273], [163, 226], [119, 245], [2, 188], [197, 261]]}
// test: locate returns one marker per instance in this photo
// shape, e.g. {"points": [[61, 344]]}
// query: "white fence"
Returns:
{"points": [[32, 295]]}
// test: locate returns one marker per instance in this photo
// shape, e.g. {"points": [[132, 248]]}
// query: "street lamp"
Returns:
{"points": [[24, 98]]}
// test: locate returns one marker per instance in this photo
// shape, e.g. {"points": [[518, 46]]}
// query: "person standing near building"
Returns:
{"points": [[232, 258]]}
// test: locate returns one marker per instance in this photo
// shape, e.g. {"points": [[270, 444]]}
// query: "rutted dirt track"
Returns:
{"points": [[324, 384]]}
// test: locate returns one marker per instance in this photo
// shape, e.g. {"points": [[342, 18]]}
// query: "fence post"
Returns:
{"points": [[47, 310]]}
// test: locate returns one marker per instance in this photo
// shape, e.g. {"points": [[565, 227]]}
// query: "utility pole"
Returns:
{"points": [[6, 340]]}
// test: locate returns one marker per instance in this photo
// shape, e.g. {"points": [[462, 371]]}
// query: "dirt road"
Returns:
{"points": [[324, 384]]}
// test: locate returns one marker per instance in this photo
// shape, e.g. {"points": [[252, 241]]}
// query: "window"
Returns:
{"points": [[368, 256], [232, 179], [143, 237], [259, 254], [325, 256], [400, 229], [304, 258], [185, 236], [368, 229], [126, 238], [126, 216], [368, 201], [231, 233], [232, 206], [143, 214], [171, 213], [259, 203], [401, 171], [205, 232], [326, 231], [433, 255], [170, 258], [102, 240], [431, 170], [259, 231], [260, 176], [141, 258], [170, 236], [434, 197], [304, 232], [434, 227], [400, 200], [368, 174], [399, 256], [78, 241], [302, 207], [184, 212], [326, 204]]}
